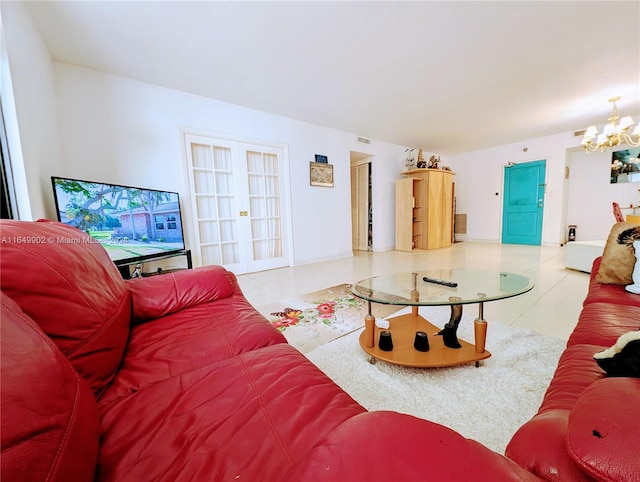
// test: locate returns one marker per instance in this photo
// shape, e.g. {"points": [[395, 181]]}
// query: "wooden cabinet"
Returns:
{"points": [[410, 211], [424, 209]]}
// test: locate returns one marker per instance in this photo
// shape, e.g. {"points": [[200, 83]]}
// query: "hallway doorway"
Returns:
{"points": [[361, 204]]}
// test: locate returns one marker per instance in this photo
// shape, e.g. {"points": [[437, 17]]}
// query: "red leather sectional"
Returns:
{"points": [[177, 377], [588, 426]]}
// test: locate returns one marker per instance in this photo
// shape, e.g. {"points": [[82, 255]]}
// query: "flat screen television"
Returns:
{"points": [[133, 224]]}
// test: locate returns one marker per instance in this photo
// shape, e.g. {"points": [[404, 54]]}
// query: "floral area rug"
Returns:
{"points": [[311, 320]]}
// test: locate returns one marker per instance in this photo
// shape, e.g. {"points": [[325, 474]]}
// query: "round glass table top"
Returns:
{"points": [[473, 286]]}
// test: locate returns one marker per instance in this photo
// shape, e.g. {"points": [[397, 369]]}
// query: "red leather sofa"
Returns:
{"points": [[177, 377], [588, 426]]}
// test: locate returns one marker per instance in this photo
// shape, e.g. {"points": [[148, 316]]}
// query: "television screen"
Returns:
{"points": [[133, 224]]}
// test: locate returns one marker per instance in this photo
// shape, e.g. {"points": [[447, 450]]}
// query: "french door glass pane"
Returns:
{"points": [[256, 185], [201, 155], [274, 228], [228, 231], [271, 185], [226, 207], [260, 250], [257, 207], [222, 159], [203, 181], [254, 162], [275, 248], [206, 206], [209, 232], [259, 228], [273, 207], [210, 255], [271, 164], [230, 253], [224, 182]]}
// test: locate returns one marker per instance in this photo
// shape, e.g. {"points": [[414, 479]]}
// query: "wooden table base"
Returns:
{"points": [[403, 330]]}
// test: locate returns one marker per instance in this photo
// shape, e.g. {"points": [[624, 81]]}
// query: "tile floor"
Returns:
{"points": [[551, 308]]}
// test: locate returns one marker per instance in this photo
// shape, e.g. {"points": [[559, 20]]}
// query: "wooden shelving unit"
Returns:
{"points": [[424, 209]]}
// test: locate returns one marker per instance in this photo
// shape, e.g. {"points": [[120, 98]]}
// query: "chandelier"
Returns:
{"points": [[613, 134]]}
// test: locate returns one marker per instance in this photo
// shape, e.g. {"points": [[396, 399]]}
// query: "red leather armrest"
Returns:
{"points": [[162, 295], [603, 435], [384, 446]]}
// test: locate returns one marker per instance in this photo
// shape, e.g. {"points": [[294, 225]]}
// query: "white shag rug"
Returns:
{"points": [[487, 403]]}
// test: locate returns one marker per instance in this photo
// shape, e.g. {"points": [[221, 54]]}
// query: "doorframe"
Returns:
{"points": [[357, 158], [546, 183], [286, 175]]}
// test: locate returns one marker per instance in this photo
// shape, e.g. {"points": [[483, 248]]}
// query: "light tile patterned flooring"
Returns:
{"points": [[551, 308]]}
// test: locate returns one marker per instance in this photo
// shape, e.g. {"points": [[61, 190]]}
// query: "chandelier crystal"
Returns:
{"points": [[613, 134]]}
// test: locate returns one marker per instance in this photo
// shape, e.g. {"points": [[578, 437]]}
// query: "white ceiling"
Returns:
{"points": [[445, 76]]}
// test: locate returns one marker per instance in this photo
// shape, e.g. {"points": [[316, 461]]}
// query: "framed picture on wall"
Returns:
{"points": [[321, 158], [321, 174], [625, 166]]}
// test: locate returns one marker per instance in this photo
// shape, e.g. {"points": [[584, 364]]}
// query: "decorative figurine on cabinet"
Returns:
{"points": [[421, 164], [408, 162], [433, 162]]}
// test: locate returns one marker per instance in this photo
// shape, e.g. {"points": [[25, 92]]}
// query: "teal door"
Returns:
{"points": [[523, 203]]}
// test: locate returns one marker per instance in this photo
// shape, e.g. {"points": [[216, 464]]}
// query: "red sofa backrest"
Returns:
{"points": [[50, 428], [66, 283], [604, 293]]}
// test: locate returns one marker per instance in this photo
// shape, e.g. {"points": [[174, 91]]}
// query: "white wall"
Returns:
{"points": [[29, 100], [479, 185], [117, 130], [127, 132], [590, 194]]}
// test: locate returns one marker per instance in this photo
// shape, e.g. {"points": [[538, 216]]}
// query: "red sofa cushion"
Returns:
{"points": [[576, 371], [189, 339], [49, 416], [66, 283], [602, 324], [159, 296], [540, 446], [603, 436], [249, 417], [387, 446], [603, 293]]}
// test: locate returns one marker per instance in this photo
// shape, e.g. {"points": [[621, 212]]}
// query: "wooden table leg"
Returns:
{"points": [[415, 295], [480, 330], [370, 327]]}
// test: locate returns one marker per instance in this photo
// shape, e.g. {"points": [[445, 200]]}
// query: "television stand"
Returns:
{"points": [[125, 269]]}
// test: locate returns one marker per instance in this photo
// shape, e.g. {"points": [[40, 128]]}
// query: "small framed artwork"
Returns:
{"points": [[625, 166], [320, 158], [321, 174]]}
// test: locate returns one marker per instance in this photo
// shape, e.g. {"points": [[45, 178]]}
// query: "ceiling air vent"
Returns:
{"points": [[579, 133], [364, 140]]}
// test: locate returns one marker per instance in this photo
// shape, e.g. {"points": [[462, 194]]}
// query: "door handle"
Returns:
{"points": [[244, 213]]}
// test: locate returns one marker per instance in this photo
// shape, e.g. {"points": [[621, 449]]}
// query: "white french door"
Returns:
{"points": [[236, 204]]}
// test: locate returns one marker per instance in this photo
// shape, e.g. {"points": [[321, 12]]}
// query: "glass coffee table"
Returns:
{"points": [[409, 289]]}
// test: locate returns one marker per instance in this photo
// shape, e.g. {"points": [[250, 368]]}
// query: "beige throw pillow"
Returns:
{"points": [[618, 257]]}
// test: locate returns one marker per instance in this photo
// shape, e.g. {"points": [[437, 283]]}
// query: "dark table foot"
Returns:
{"points": [[450, 331]]}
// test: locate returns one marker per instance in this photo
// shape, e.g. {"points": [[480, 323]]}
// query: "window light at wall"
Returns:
{"points": [[613, 134]]}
